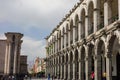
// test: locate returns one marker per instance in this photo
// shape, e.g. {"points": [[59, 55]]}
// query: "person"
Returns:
{"points": [[92, 75], [48, 76], [9, 78], [104, 76]]}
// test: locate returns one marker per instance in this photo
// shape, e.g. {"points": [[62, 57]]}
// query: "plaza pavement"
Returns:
{"points": [[40, 79]]}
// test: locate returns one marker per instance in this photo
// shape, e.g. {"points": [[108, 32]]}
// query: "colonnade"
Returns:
{"points": [[87, 41]]}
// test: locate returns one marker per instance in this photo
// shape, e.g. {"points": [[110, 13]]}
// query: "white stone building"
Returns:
{"points": [[87, 40]]}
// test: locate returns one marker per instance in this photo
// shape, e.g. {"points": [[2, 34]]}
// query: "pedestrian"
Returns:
{"points": [[92, 75], [48, 76]]}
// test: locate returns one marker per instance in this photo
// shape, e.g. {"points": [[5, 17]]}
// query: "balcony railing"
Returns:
{"points": [[100, 26], [83, 35], [112, 19]]}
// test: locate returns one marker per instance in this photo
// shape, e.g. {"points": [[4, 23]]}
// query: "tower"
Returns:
{"points": [[12, 56]]}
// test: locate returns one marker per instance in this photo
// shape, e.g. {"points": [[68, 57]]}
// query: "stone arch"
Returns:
{"points": [[101, 58], [59, 39], [91, 63], [71, 64], [63, 60], [114, 52], [63, 39], [100, 5], [82, 58], [67, 61], [76, 22], [67, 28], [59, 74], [76, 58], [90, 17]]}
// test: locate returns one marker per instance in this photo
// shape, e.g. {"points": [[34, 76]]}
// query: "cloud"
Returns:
{"points": [[34, 13], [33, 48]]}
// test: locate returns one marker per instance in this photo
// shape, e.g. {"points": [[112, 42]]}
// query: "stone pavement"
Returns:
{"points": [[40, 79]]}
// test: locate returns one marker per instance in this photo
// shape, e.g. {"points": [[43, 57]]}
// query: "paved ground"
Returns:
{"points": [[40, 79]]}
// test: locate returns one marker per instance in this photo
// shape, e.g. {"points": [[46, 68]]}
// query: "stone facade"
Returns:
{"points": [[2, 55], [86, 41], [10, 53], [23, 64]]}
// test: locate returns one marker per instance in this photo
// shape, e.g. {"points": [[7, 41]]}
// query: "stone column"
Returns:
{"points": [[61, 72], [109, 66], [106, 13], [79, 31], [86, 26], [87, 68], [64, 71], [69, 71], [80, 70], [73, 70], [8, 59], [15, 59], [58, 72], [74, 34]]}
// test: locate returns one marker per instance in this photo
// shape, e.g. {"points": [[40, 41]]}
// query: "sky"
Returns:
{"points": [[33, 18]]}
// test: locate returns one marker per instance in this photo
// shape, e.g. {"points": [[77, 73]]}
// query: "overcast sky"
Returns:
{"points": [[33, 18]]}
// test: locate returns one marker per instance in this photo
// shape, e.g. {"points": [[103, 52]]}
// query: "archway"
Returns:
{"points": [[63, 39], [76, 65], [101, 60], [91, 68], [91, 19], [114, 48], [66, 66], [59, 40], [101, 13], [112, 11], [67, 35], [62, 63], [71, 32], [71, 65], [83, 76], [76, 27], [83, 23]]}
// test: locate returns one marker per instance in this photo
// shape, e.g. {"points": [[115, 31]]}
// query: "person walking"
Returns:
{"points": [[48, 76]]}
